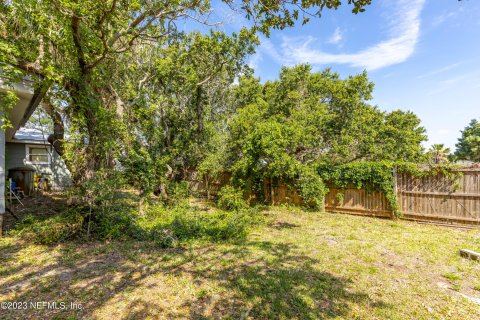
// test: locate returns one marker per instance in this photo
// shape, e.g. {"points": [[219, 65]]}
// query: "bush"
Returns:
{"points": [[106, 212], [178, 193], [117, 222], [100, 209], [49, 230], [166, 226], [231, 199], [311, 188]]}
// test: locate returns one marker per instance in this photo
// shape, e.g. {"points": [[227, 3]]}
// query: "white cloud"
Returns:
{"points": [[404, 32], [268, 48], [336, 37], [461, 80], [447, 15], [438, 71]]}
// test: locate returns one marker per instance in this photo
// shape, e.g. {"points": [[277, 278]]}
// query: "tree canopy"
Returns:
{"points": [[132, 90], [78, 47], [468, 146], [283, 128]]}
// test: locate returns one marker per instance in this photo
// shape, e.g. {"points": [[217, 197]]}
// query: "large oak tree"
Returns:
{"points": [[76, 46]]}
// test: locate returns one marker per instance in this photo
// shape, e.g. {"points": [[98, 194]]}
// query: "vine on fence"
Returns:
{"points": [[379, 176]]}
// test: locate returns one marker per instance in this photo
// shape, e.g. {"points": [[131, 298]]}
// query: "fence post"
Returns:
{"points": [[395, 187], [322, 208]]}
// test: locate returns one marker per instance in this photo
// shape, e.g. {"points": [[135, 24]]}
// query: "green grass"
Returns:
{"points": [[299, 265]]}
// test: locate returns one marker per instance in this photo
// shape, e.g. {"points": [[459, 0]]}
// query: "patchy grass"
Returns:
{"points": [[300, 265]]}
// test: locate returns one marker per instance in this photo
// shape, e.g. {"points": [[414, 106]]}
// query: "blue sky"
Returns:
{"points": [[422, 55]]}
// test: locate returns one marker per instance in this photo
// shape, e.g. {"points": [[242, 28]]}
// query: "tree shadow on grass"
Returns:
{"points": [[283, 225], [279, 283], [255, 279]]}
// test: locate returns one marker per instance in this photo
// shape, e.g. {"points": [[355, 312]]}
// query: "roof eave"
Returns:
{"points": [[37, 97]]}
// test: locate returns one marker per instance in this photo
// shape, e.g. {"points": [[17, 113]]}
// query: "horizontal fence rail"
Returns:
{"points": [[438, 198], [358, 201], [435, 198]]}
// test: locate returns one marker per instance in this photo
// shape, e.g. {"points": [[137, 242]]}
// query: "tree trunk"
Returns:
{"points": [[56, 139], [198, 101]]}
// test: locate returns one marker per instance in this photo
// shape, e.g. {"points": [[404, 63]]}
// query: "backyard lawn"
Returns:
{"points": [[298, 265]]}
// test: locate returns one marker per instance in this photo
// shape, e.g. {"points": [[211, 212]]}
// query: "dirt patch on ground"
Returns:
{"points": [[42, 205]]}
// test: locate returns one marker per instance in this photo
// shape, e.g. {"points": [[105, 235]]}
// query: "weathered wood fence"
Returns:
{"points": [[358, 201], [434, 198], [439, 199]]}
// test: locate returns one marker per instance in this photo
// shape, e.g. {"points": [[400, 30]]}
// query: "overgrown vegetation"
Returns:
{"points": [[115, 64], [147, 106], [230, 198], [282, 129], [166, 225], [137, 107]]}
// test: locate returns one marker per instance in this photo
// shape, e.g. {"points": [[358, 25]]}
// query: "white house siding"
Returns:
{"points": [[16, 156]]}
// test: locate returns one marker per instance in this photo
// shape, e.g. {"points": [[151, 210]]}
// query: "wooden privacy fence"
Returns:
{"points": [[434, 198], [437, 198], [358, 201]]}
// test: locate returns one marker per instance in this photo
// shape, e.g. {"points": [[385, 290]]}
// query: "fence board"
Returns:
{"points": [[357, 201], [435, 198]]}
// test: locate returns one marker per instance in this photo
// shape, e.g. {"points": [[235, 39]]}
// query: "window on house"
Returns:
{"points": [[38, 155]]}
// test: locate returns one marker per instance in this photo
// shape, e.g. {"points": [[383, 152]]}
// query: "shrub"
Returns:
{"points": [[231, 199], [166, 226], [106, 212], [116, 222], [178, 193], [311, 188], [49, 230]]}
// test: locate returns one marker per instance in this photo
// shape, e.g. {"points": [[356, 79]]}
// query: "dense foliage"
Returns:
{"points": [[230, 198], [84, 50], [176, 117], [468, 146], [282, 128], [147, 105], [107, 212]]}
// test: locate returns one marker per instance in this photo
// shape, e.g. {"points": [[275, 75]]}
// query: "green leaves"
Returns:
{"points": [[110, 59], [468, 146], [284, 128], [378, 176], [274, 14], [8, 100]]}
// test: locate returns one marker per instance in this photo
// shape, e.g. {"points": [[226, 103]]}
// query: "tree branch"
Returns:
{"points": [[57, 138], [77, 42]]}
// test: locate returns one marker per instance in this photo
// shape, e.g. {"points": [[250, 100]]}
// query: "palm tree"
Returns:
{"points": [[438, 153]]}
